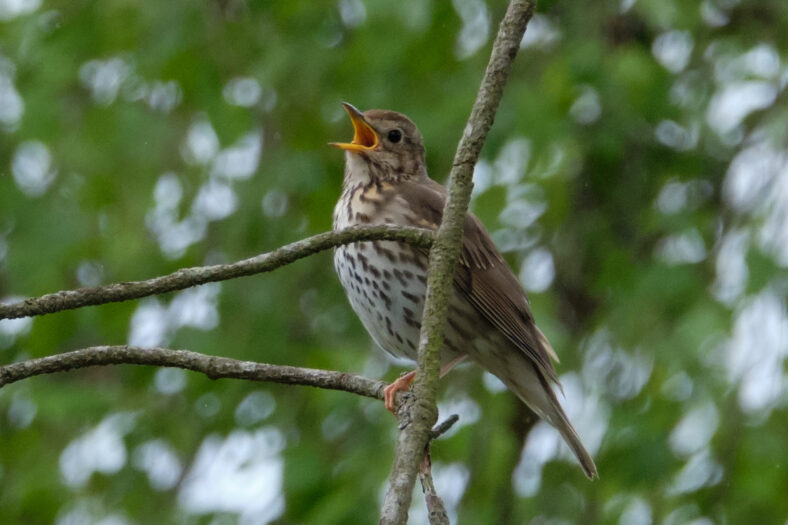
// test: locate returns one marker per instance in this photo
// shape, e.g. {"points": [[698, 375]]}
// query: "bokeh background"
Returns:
{"points": [[636, 179]]}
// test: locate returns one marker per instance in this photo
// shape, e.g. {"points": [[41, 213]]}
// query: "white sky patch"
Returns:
{"points": [[521, 213], [352, 12], [622, 373], [90, 512], [482, 177], [673, 50], [173, 235], [196, 307], [169, 381], [541, 447], [773, 233], [215, 200], [12, 8], [761, 61], [689, 90], [99, 450], [587, 107], [22, 411], [12, 106], [515, 238], [202, 143], [90, 273], [731, 266], [750, 176], [712, 14], [538, 270], [695, 430], [475, 27], [107, 79], [32, 168], [677, 137], [164, 96], [678, 387], [240, 160], [241, 473], [104, 78], [160, 463], [254, 408], [637, 512], [242, 91], [686, 247], [465, 407], [511, 162], [149, 326], [757, 183], [10, 329], [700, 471], [734, 101], [541, 33], [676, 196], [492, 383], [756, 353], [153, 323]]}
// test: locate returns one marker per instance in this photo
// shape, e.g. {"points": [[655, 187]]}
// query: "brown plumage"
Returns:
{"points": [[489, 318]]}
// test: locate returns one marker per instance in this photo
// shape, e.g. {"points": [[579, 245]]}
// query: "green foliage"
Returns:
{"points": [[645, 209]]}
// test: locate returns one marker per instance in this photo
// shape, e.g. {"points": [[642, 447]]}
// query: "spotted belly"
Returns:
{"points": [[386, 284]]}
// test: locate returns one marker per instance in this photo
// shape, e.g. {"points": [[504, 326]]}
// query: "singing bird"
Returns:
{"points": [[489, 320]]}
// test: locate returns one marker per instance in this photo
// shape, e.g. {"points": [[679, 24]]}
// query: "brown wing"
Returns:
{"points": [[485, 279]]}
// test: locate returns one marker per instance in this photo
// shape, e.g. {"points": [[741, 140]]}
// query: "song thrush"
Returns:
{"points": [[489, 318]]}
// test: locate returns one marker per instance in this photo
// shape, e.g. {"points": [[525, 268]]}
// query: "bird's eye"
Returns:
{"points": [[395, 135]]}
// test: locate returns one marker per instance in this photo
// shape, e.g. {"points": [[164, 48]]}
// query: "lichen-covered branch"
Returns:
{"points": [[443, 259], [211, 366], [188, 277]]}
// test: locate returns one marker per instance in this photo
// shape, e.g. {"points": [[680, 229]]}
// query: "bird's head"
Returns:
{"points": [[386, 145]]}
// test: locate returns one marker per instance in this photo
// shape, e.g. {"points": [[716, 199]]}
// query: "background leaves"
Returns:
{"points": [[635, 178]]}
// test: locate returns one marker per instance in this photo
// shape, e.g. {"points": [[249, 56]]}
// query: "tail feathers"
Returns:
{"points": [[533, 389], [573, 440]]}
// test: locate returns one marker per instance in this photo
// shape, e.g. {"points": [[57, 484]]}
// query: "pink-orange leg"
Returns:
{"points": [[390, 392], [402, 384]]}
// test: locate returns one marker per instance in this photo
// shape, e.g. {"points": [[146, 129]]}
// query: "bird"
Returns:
{"points": [[489, 319]]}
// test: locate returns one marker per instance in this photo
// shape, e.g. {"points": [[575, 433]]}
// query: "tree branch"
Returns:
{"points": [[436, 510], [211, 366], [188, 277], [443, 259]]}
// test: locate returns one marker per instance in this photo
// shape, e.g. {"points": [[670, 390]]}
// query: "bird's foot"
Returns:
{"points": [[400, 385]]}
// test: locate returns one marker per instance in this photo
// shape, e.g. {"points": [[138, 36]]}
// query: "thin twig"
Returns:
{"points": [[443, 426], [443, 259], [436, 510], [188, 277]]}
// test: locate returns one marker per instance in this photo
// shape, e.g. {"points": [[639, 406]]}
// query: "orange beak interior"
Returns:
{"points": [[364, 137]]}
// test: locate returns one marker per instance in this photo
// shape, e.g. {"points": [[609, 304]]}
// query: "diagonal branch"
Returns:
{"points": [[188, 277], [443, 259], [211, 366]]}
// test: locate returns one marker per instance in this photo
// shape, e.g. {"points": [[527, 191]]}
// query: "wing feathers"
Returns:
{"points": [[485, 279]]}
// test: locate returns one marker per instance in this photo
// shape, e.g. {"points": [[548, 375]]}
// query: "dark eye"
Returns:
{"points": [[395, 135]]}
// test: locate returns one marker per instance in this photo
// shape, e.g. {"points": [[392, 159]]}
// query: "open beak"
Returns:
{"points": [[364, 137]]}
